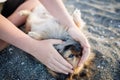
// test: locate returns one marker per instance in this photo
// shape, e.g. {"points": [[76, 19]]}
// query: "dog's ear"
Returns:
{"points": [[61, 48], [77, 18], [69, 44]]}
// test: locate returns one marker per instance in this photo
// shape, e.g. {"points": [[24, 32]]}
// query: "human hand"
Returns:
{"points": [[76, 34], [46, 53]]}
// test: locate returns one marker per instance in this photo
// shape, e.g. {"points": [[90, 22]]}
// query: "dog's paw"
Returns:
{"points": [[34, 35], [24, 12], [77, 18], [1, 1]]}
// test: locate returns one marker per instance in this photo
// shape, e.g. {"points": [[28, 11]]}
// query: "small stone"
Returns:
{"points": [[103, 32], [101, 67], [103, 56], [101, 36], [22, 63], [117, 43], [98, 67], [111, 37], [106, 41], [111, 65], [11, 62], [10, 50], [118, 26], [111, 21]]}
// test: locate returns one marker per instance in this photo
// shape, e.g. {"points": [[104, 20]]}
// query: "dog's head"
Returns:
{"points": [[71, 51]]}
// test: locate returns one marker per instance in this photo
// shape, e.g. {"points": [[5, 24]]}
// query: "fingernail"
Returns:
{"points": [[79, 64], [71, 67], [71, 71], [66, 73]]}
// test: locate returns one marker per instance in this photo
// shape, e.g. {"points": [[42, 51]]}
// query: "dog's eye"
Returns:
{"points": [[71, 56]]}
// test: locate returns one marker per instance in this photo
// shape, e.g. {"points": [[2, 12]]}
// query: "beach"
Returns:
{"points": [[102, 18]]}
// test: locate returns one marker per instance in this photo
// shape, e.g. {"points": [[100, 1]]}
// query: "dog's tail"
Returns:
{"points": [[25, 12]]}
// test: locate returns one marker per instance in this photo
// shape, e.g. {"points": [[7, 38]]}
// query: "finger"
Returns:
{"points": [[56, 41], [61, 60], [56, 69], [62, 68], [64, 62], [83, 41], [86, 53]]}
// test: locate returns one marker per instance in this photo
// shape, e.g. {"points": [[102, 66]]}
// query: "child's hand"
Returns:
{"points": [[46, 53], [76, 34]]}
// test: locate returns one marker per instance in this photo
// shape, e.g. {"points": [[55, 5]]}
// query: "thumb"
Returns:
{"points": [[55, 41], [85, 56]]}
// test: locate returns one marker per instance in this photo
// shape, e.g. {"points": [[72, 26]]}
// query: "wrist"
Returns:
{"points": [[29, 45]]}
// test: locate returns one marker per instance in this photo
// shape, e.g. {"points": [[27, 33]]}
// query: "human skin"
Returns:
{"points": [[66, 19], [43, 50]]}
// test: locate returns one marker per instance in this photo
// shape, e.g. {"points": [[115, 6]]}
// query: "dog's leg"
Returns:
{"points": [[77, 18], [25, 13], [35, 35]]}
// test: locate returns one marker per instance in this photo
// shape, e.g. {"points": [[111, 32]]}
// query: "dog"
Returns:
{"points": [[41, 25]]}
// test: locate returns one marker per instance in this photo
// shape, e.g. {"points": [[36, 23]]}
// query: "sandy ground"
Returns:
{"points": [[102, 28]]}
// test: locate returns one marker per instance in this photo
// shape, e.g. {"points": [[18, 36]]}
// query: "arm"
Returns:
{"points": [[16, 19], [43, 50], [58, 10]]}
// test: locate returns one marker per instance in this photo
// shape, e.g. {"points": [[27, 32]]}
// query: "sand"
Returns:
{"points": [[102, 29]]}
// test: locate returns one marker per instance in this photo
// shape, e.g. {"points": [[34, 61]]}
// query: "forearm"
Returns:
{"points": [[12, 35], [58, 10], [17, 19]]}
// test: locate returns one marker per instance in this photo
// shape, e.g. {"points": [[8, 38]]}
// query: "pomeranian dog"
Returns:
{"points": [[42, 25]]}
